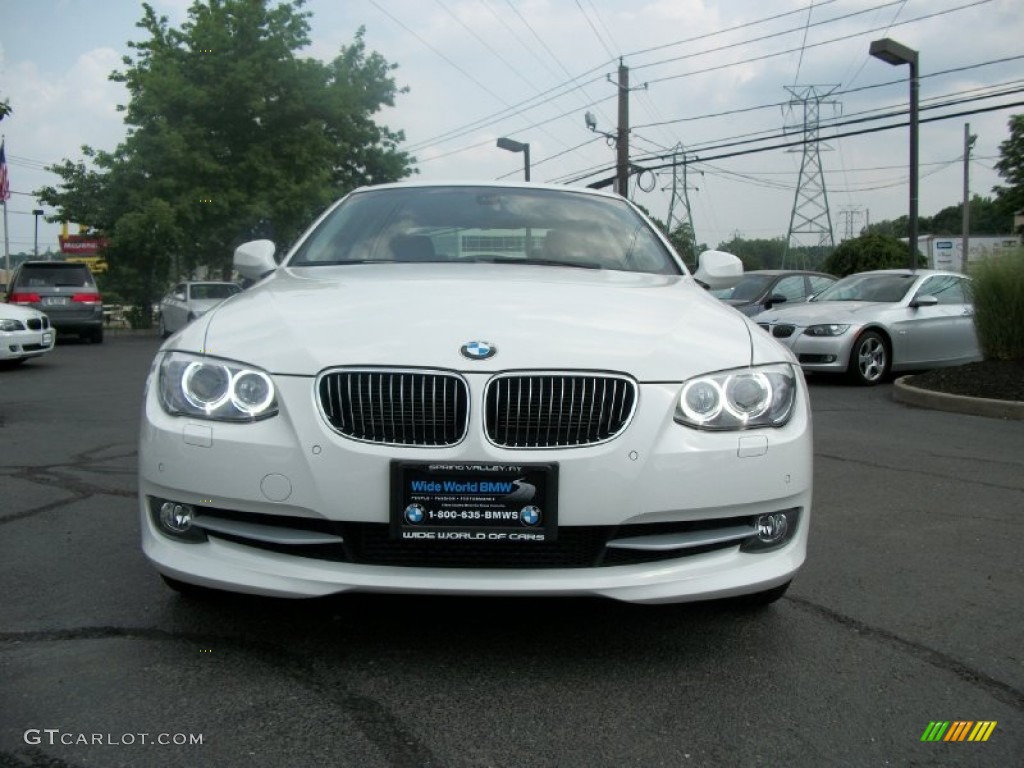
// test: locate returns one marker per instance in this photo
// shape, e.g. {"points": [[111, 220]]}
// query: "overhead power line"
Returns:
{"points": [[800, 142]]}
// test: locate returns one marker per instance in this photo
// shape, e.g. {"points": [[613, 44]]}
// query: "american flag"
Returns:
{"points": [[5, 189]]}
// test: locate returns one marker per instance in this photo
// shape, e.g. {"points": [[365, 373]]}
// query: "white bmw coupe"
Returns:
{"points": [[476, 389]]}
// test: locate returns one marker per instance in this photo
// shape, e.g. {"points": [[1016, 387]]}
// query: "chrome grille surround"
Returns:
{"points": [[390, 406], [557, 409]]}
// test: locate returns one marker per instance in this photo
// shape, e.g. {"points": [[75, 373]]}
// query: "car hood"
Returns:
{"points": [[809, 313], [200, 306], [14, 312], [301, 321]]}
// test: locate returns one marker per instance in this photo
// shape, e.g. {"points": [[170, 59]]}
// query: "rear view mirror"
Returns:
{"points": [[924, 301], [718, 269], [255, 259]]}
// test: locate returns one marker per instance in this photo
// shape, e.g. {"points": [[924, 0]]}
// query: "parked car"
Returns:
{"points": [[24, 333], [763, 289], [872, 323], [187, 301], [502, 389], [65, 291]]}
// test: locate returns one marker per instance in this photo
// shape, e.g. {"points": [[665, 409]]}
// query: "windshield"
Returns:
{"points": [[749, 287], [486, 224], [871, 287], [214, 290], [56, 275]]}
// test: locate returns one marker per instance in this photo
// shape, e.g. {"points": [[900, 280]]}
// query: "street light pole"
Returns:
{"points": [[37, 212], [897, 54], [517, 146]]}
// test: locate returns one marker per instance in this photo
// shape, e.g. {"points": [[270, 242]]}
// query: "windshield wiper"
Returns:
{"points": [[532, 262]]}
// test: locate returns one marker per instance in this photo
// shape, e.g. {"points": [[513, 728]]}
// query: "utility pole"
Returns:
{"points": [[622, 140], [968, 144]]}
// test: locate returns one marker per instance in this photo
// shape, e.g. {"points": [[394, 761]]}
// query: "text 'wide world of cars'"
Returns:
{"points": [[476, 389]]}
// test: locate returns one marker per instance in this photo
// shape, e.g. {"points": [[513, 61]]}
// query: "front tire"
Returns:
{"points": [[164, 333], [869, 359]]}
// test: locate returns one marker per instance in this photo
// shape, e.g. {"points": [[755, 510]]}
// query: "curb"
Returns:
{"points": [[905, 392]]}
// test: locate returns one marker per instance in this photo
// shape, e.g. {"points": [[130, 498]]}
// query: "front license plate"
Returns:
{"points": [[47, 338], [474, 502]]}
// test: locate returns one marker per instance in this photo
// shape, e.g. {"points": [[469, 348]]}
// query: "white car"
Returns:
{"points": [[872, 323], [24, 333], [187, 301], [476, 389]]}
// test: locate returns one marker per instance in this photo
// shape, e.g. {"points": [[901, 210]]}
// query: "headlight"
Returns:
{"points": [[11, 325], [742, 399], [209, 388], [831, 329]]}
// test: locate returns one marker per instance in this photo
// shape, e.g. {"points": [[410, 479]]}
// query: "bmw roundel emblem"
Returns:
{"points": [[530, 515], [414, 514], [478, 350]]}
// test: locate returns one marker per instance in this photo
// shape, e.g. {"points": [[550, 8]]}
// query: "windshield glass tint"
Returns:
{"points": [[890, 288], [750, 287], [56, 276], [214, 291], [486, 224]]}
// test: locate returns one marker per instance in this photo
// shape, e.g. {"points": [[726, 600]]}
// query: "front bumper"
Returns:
{"points": [[818, 354], [294, 466], [16, 345]]}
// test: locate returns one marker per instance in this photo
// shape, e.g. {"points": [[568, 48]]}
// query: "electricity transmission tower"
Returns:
{"points": [[810, 223], [849, 215], [681, 199]]}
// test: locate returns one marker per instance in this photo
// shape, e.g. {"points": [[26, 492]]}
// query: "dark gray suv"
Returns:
{"points": [[65, 291]]}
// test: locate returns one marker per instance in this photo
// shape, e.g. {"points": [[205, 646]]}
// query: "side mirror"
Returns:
{"points": [[775, 298], [718, 269], [924, 301], [255, 259]]}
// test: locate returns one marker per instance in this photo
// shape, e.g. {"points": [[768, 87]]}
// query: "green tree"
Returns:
{"points": [[5, 108], [869, 251], [756, 253], [1011, 167], [232, 134]]}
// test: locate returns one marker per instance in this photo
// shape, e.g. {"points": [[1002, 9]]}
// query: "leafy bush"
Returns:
{"points": [[867, 252], [998, 288]]}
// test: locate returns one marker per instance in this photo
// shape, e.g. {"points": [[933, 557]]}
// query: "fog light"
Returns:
{"points": [[176, 518], [771, 529]]}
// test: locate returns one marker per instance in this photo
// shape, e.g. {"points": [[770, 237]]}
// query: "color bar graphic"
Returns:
{"points": [[958, 730]]}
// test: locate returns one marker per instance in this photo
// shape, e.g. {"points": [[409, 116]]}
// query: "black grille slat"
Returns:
{"points": [[422, 408], [524, 411]]}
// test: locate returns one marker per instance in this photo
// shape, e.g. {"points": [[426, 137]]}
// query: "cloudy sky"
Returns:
{"points": [[715, 78]]}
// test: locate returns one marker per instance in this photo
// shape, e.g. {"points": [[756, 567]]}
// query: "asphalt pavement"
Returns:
{"points": [[907, 613]]}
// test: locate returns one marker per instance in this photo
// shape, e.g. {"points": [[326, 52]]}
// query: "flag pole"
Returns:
{"points": [[7, 250]]}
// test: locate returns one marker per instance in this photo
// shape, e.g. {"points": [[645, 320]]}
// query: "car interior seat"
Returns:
{"points": [[412, 248]]}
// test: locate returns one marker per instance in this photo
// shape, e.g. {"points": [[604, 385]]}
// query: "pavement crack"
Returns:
{"points": [[93, 461], [375, 719], [997, 689]]}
